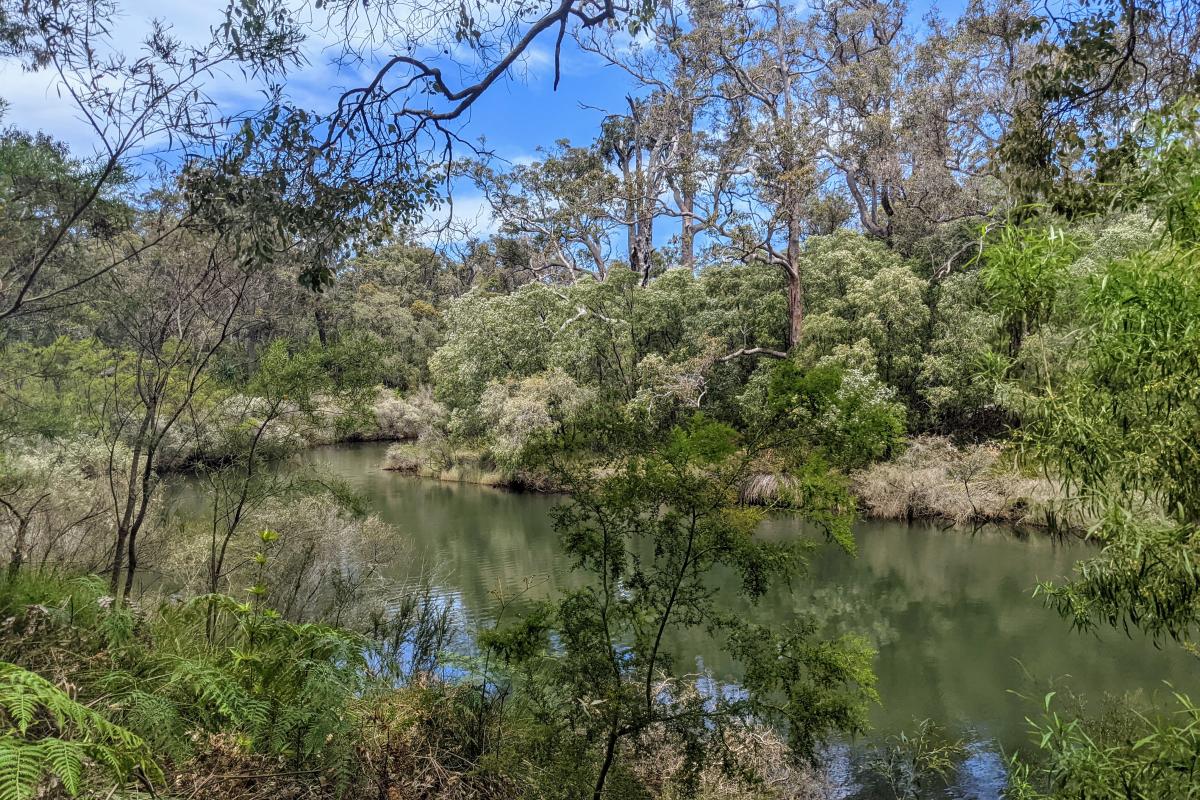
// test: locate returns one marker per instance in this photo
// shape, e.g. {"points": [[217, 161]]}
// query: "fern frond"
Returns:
{"points": [[21, 692], [65, 759], [46, 732], [20, 769]]}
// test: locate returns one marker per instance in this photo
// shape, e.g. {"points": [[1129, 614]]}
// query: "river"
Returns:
{"points": [[959, 635]]}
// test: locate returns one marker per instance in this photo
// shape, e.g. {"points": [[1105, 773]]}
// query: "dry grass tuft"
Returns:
{"points": [[757, 751], [765, 488], [463, 466], [223, 769], [402, 458], [933, 478], [415, 745], [755, 762]]}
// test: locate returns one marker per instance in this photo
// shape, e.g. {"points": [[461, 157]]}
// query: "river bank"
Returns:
{"points": [[932, 479]]}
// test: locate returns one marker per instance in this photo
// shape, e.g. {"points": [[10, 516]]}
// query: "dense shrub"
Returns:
{"points": [[56, 502], [416, 415], [520, 413], [322, 562]]}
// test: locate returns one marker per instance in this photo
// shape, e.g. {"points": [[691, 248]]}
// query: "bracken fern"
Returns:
{"points": [[45, 734]]}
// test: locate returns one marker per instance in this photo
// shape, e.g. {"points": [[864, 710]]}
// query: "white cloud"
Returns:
{"points": [[34, 104], [37, 100], [469, 216], [535, 63]]}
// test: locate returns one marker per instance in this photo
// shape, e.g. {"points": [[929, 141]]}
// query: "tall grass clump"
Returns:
{"points": [[934, 478]]}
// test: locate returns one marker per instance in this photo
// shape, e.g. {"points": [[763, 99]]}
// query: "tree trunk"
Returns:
{"points": [[130, 565], [18, 551], [646, 248], [114, 579], [795, 276], [631, 221], [610, 752], [795, 296], [631, 240], [321, 321], [687, 236]]}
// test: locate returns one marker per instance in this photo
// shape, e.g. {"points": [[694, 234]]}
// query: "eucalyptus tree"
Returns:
{"points": [[499, 263], [1097, 68], [562, 205], [770, 125], [375, 158], [583, 207], [639, 150], [135, 107], [739, 167], [669, 155], [394, 297], [493, 337], [912, 122]]}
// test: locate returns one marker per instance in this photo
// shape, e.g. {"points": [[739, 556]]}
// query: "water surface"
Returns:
{"points": [[950, 612]]}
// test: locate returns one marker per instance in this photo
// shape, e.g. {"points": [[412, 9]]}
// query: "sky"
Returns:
{"points": [[515, 116]]}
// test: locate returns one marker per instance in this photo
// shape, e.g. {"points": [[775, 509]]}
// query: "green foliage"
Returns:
{"points": [[910, 763], [394, 297], [41, 187], [645, 533], [492, 337], [49, 390], [1120, 428], [285, 375], [277, 688], [746, 305], [71, 604], [809, 391], [1157, 758], [1025, 271], [828, 685], [44, 732], [282, 686], [659, 352], [958, 374], [525, 413], [1170, 183], [1075, 138], [1135, 434], [849, 417], [867, 309], [266, 697], [1145, 578]]}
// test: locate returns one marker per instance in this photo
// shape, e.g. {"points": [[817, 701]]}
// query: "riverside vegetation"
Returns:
{"points": [[944, 269]]}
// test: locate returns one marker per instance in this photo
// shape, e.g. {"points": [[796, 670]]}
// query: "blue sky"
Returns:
{"points": [[515, 116]]}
